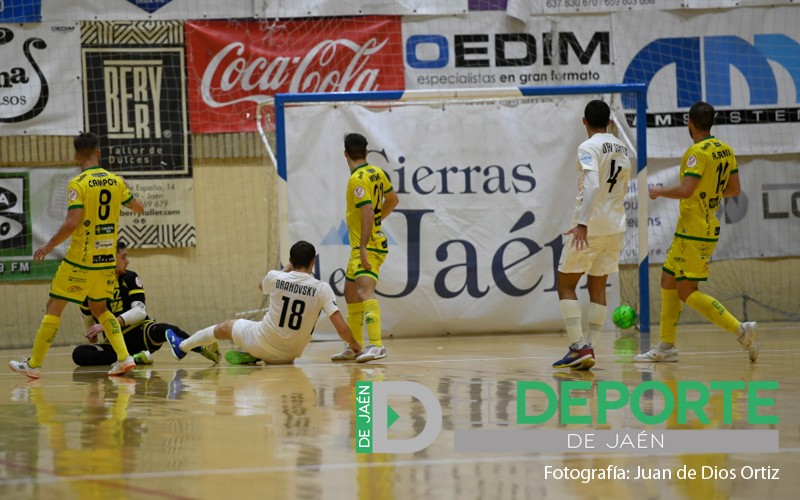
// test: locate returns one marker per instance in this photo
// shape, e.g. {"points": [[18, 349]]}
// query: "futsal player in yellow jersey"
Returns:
{"points": [[370, 199], [94, 199], [708, 174]]}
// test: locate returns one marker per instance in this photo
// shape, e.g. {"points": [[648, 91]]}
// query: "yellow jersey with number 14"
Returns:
{"points": [[367, 185], [100, 194], [712, 161]]}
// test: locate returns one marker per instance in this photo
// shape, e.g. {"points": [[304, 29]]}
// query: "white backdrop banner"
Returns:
{"points": [[40, 85], [763, 221], [523, 8], [117, 10], [476, 238], [316, 8], [742, 61]]}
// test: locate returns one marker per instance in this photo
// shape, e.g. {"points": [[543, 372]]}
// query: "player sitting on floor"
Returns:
{"points": [[142, 335]]}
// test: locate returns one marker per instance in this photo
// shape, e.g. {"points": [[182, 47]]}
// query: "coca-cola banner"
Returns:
{"points": [[40, 79], [234, 66], [309, 8]]}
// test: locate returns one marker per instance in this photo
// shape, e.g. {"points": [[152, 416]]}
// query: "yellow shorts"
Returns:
{"points": [[74, 283], [688, 259], [355, 269]]}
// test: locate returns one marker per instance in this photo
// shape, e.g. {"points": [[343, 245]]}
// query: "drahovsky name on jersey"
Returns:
{"points": [[691, 161], [295, 288], [358, 192]]}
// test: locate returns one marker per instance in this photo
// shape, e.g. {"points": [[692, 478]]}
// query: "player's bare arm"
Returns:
{"points": [[734, 187], [73, 219], [680, 191], [367, 221], [344, 331], [136, 205], [579, 233], [390, 201]]}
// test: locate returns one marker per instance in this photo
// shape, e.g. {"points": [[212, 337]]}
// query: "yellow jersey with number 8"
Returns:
{"points": [[100, 194]]}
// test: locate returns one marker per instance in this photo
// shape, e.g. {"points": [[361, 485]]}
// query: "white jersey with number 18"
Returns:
{"points": [[608, 156], [295, 302]]}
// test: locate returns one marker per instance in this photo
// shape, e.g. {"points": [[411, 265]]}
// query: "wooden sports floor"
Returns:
{"points": [[188, 429]]}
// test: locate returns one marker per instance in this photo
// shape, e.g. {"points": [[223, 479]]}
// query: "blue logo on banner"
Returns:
{"points": [[20, 11], [719, 55], [150, 5]]}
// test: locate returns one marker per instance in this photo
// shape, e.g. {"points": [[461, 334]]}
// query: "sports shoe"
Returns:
{"points": [[234, 357], [24, 368], [210, 352], [347, 355], [122, 367], [143, 358], [577, 358], [370, 353], [747, 337], [658, 355], [175, 344]]}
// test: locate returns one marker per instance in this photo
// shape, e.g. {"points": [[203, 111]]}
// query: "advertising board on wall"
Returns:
{"points": [[40, 87], [135, 100], [234, 66]]}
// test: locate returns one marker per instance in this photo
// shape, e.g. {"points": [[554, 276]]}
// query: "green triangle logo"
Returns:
{"points": [[391, 416]]}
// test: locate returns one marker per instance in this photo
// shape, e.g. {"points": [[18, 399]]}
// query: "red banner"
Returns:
{"points": [[232, 66]]}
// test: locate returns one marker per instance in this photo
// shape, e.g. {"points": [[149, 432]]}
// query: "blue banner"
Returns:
{"points": [[20, 11], [150, 5]]}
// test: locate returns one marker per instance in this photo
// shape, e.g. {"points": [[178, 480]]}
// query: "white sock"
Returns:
{"points": [[571, 312], [597, 317], [203, 337]]}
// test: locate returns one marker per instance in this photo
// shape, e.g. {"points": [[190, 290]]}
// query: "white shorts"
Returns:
{"points": [[258, 340], [600, 258]]}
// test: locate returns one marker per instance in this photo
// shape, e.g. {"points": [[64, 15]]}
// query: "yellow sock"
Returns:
{"points": [[45, 336], [355, 320], [114, 334], [713, 311], [671, 307], [372, 317]]}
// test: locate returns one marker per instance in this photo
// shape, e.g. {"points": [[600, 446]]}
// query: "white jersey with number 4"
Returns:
{"points": [[608, 156], [295, 302]]}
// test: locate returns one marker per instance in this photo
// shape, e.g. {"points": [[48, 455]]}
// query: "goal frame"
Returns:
{"points": [[638, 89]]}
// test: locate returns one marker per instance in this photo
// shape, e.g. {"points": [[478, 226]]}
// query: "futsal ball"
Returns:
{"points": [[624, 317]]}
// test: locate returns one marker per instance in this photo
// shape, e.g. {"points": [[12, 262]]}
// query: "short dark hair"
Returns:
{"points": [[302, 253], [597, 114], [356, 146], [702, 115], [121, 245], [86, 144]]}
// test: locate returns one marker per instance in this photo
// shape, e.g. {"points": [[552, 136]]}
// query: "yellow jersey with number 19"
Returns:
{"points": [[367, 185], [100, 194], [712, 161]]}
